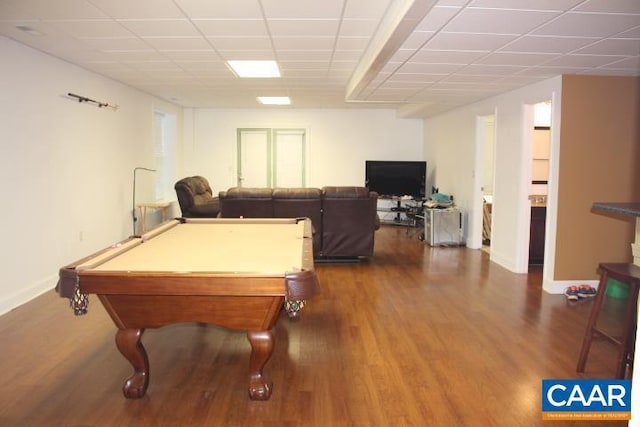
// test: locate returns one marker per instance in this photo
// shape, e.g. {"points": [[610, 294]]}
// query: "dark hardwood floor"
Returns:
{"points": [[415, 336]]}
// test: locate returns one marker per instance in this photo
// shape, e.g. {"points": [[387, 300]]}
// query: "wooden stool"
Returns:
{"points": [[625, 273]]}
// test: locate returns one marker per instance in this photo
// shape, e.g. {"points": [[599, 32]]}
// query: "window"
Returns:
{"points": [[164, 142]]}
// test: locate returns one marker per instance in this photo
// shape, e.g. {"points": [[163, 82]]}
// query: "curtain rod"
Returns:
{"points": [[98, 103]]}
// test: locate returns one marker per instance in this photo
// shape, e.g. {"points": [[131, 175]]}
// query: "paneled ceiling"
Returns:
{"points": [[421, 57]]}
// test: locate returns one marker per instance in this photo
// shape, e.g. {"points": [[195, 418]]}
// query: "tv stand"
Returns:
{"points": [[393, 210]]}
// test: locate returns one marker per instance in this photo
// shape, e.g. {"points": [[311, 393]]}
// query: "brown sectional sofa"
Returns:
{"points": [[344, 218]]}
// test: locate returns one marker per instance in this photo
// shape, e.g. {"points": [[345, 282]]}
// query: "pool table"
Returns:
{"points": [[236, 273]]}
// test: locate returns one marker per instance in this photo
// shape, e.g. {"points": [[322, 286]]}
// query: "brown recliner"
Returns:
{"points": [[349, 221], [196, 198]]}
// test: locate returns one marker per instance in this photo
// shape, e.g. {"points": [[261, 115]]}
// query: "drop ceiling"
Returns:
{"points": [[421, 57]]}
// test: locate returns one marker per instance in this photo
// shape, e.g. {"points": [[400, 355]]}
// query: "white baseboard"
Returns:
{"points": [[27, 294]]}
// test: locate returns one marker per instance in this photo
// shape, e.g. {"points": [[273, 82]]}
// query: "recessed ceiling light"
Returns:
{"points": [[255, 69], [274, 100]]}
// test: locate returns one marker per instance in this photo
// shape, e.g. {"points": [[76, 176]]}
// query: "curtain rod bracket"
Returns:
{"points": [[100, 104]]}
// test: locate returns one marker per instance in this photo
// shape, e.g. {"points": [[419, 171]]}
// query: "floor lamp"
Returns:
{"points": [[135, 218]]}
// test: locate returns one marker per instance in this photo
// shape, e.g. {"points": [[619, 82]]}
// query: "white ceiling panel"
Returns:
{"points": [[177, 43], [232, 28], [303, 28], [221, 9], [498, 21], [138, 9], [468, 41], [547, 44], [612, 47], [424, 55], [584, 61], [551, 5], [610, 6], [589, 25], [523, 59], [241, 43], [302, 9], [160, 27]]}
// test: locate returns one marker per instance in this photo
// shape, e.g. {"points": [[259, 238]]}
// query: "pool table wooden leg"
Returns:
{"points": [[262, 343], [129, 344]]}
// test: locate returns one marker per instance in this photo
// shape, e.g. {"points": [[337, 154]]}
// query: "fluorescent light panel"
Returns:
{"points": [[274, 100], [255, 69]]}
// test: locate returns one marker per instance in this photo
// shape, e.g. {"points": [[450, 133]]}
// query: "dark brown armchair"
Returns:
{"points": [[196, 198]]}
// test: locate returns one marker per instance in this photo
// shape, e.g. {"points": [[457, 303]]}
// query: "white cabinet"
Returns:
{"points": [[443, 227]]}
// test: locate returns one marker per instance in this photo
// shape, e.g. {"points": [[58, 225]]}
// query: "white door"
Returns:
{"points": [[289, 155], [254, 157], [271, 157]]}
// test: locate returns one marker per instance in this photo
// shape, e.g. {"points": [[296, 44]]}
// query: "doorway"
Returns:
{"points": [[484, 181]]}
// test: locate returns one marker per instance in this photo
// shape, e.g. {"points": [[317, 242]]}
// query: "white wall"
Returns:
{"points": [[340, 141], [451, 146], [66, 168]]}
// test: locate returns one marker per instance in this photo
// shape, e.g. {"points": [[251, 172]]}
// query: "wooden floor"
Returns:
{"points": [[416, 336]]}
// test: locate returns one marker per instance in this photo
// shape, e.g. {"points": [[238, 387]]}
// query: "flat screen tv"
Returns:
{"points": [[396, 178]]}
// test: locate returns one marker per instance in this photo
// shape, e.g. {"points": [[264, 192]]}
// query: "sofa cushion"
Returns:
{"points": [[246, 202], [300, 203], [346, 193]]}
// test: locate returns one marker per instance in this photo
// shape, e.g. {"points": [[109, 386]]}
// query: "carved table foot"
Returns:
{"points": [[262, 343], [129, 344]]}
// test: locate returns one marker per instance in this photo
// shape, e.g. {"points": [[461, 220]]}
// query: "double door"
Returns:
{"points": [[271, 157]]}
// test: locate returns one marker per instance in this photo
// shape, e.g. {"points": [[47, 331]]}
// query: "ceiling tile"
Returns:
{"points": [[117, 43], [468, 42], [498, 21], [303, 43], [437, 18], [352, 43], [631, 64], [233, 27], [303, 27], [612, 47], [583, 61], [92, 28], [303, 9], [446, 56], [491, 70], [358, 27], [589, 25], [525, 59], [546, 44], [241, 43], [417, 67], [147, 9], [551, 5], [610, 6], [221, 9], [177, 43], [160, 27], [69, 10]]}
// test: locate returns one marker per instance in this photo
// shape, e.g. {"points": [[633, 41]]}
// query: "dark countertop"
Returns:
{"points": [[624, 209]]}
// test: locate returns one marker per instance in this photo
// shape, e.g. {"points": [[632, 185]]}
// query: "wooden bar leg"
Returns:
{"points": [[593, 319], [262, 344], [625, 355], [129, 344]]}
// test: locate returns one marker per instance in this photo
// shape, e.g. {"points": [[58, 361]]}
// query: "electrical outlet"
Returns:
{"points": [[81, 236]]}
